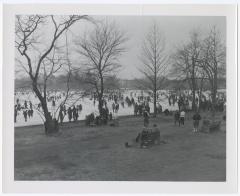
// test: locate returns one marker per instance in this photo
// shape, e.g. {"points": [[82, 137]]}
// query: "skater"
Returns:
{"points": [[80, 107], [113, 107], [74, 112], [25, 104], [25, 115], [61, 116], [135, 109], [29, 113], [53, 103], [69, 114], [117, 108], [15, 114], [30, 104], [110, 116]]}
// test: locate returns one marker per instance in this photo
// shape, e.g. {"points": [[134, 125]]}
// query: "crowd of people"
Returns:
{"points": [[148, 137], [26, 109], [139, 101]]}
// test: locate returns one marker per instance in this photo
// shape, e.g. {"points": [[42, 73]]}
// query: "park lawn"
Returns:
{"points": [[98, 153]]}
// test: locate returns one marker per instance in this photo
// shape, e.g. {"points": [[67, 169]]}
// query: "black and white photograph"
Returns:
{"points": [[102, 97]]}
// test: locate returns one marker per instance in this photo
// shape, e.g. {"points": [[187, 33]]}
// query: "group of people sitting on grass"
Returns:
{"points": [[147, 137], [151, 135], [104, 119]]}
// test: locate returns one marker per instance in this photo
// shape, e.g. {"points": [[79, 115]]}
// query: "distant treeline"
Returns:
{"points": [[59, 83]]}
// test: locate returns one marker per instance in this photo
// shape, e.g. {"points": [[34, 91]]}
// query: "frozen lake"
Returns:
{"points": [[87, 105]]}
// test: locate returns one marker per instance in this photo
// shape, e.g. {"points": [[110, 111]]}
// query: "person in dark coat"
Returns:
{"points": [[146, 118], [74, 112], [177, 117], [30, 104], [80, 107], [69, 114], [29, 113], [147, 108], [166, 112], [61, 116], [117, 107], [110, 116], [15, 114], [196, 119], [135, 109], [25, 104], [25, 115]]}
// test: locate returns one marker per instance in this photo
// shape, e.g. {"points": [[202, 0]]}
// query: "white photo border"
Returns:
{"points": [[9, 185]]}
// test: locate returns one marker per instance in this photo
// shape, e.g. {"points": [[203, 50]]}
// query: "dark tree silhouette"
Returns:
{"points": [[154, 62], [40, 57], [100, 50]]}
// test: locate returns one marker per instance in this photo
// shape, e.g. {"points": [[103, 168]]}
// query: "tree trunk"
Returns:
{"points": [[155, 102], [214, 94], [51, 125], [194, 96], [100, 98], [100, 104], [200, 94]]}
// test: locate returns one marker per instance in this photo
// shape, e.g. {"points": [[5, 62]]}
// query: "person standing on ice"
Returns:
{"points": [[25, 115], [61, 116], [53, 103], [135, 109], [76, 115], [169, 100], [69, 114], [74, 111], [117, 108], [80, 107], [30, 104], [29, 113], [113, 107], [25, 104], [15, 114]]}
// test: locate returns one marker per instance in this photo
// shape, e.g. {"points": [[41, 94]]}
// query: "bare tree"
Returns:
{"points": [[213, 62], [100, 50], [154, 61], [186, 63], [40, 57]]}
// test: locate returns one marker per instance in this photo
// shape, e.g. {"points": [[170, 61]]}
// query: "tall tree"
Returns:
{"points": [[100, 50], [154, 62], [186, 63], [39, 55], [213, 62]]}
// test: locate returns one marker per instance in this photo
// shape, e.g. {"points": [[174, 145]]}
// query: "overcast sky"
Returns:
{"points": [[176, 30]]}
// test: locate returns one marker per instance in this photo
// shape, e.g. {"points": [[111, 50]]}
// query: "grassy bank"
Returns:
{"points": [[98, 153]]}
